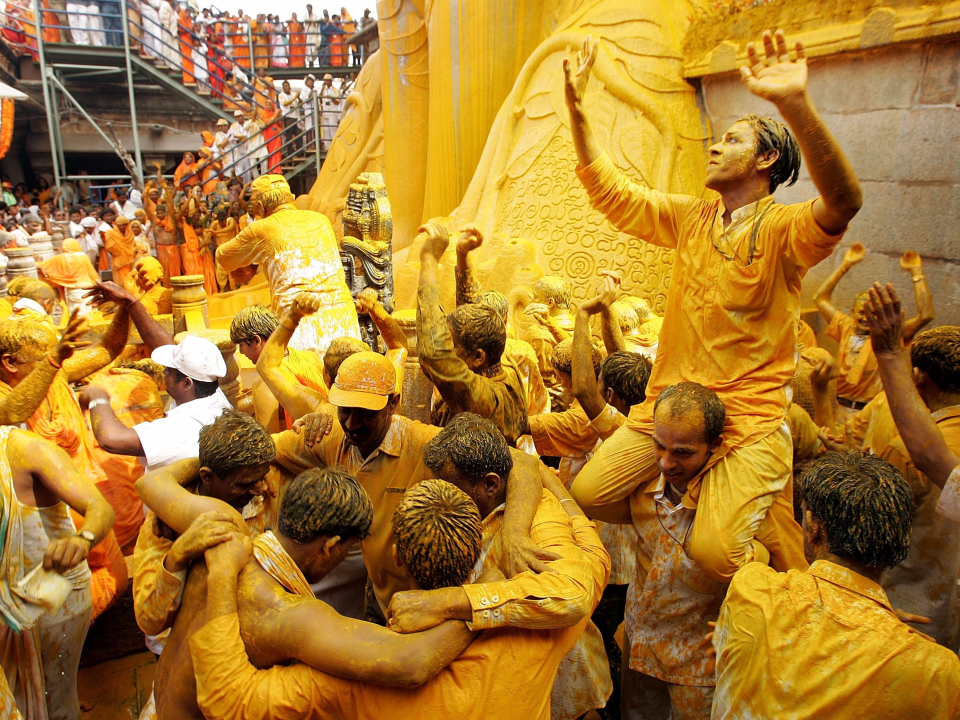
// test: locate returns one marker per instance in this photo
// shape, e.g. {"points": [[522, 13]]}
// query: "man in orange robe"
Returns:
{"points": [[185, 33], [120, 244], [298, 42], [73, 273]]}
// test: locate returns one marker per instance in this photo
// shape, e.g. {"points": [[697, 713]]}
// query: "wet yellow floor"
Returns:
{"points": [[117, 689]]}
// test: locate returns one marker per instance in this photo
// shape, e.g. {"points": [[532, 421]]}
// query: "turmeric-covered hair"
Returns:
{"points": [[556, 289], [253, 321], [774, 135], [478, 327], [325, 502], [562, 357], [496, 301], [437, 532], [865, 504], [937, 353], [339, 350], [235, 441], [17, 334]]}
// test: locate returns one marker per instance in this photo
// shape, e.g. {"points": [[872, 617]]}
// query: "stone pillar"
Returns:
{"points": [[21, 262], [41, 244], [189, 303], [417, 389], [229, 383]]}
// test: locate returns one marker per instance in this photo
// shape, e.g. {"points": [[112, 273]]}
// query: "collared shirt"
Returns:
{"points": [[926, 582], [859, 374], [505, 673], [499, 398], [671, 599], [825, 643], [177, 436], [730, 327], [289, 105], [386, 475], [574, 438]]}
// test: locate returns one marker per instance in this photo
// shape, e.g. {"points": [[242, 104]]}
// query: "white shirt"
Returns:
{"points": [[76, 229], [177, 436], [288, 104], [22, 238]]}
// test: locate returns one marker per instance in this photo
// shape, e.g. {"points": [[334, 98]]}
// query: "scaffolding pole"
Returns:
{"points": [[48, 104], [133, 102]]}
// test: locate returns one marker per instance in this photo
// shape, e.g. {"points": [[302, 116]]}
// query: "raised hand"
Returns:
{"points": [[855, 254], [911, 261], [575, 80], [538, 311], [470, 239], [822, 373], [366, 300], [305, 304], [885, 318], [107, 292], [70, 339], [775, 77], [435, 243], [607, 295]]}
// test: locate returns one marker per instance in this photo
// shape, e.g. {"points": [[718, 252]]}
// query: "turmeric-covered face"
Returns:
{"points": [[732, 160]]}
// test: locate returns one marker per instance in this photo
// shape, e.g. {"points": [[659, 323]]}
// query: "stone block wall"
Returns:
{"points": [[896, 112]]}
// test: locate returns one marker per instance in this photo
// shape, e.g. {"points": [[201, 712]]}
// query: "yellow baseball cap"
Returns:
{"points": [[364, 380]]}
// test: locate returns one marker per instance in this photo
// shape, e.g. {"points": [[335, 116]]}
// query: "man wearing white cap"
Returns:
{"points": [[90, 241], [330, 102], [221, 139], [237, 141], [307, 109], [192, 370]]}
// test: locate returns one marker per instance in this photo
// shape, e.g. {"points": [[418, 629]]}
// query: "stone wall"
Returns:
{"points": [[896, 112]]}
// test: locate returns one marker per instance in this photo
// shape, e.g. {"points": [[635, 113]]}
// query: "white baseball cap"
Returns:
{"points": [[195, 357]]}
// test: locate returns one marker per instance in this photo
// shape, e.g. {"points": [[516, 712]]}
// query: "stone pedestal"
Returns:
{"points": [[189, 303], [20, 262], [417, 389], [229, 383], [41, 244]]}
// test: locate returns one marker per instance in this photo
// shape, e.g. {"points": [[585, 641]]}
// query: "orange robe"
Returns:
{"points": [[122, 251], [261, 44], [241, 48], [60, 420], [298, 44], [69, 270], [209, 176], [185, 175], [185, 23], [197, 260]]}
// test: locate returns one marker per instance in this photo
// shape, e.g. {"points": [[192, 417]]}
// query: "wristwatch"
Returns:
{"points": [[88, 536]]}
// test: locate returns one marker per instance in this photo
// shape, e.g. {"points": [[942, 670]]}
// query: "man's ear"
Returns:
{"points": [[207, 475], [491, 484], [9, 363], [609, 395], [329, 544], [766, 160], [715, 445], [396, 557], [813, 528]]}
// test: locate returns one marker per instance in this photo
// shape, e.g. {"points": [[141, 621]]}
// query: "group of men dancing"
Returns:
{"points": [[313, 552]]}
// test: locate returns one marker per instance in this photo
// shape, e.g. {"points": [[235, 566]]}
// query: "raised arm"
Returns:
{"points": [[854, 254], [298, 400], [576, 77], [239, 252], [610, 319], [391, 332], [585, 386], [163, 492], [928, 450], [461, 388], [54, 468], [22, 401], [783, 82], [151, 332], [89, 360], [468, 289], [912, 263]]}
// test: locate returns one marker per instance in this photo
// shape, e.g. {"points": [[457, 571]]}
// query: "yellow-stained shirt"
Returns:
{"points": [[573, 437], [499, 397], [671, 599], [505, 673], [521, 354], [825, 643], [858, 378], [386, 475], [873, 428], [949, 503], [926, 582], [729, 325], [298, 252], [804, 433]]}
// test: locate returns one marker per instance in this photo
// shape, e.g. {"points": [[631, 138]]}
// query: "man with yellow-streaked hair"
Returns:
{"points": [[299, 253]]}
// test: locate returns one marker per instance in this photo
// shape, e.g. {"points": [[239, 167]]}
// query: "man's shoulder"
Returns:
{"points": [[757, 580], [412, 432]]}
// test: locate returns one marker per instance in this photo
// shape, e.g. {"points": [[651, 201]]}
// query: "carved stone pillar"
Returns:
{"points": [[189, 303], [229, 383]]}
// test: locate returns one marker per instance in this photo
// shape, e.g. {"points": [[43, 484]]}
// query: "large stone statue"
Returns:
{"points": [[490, 143], [298, 252]]}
